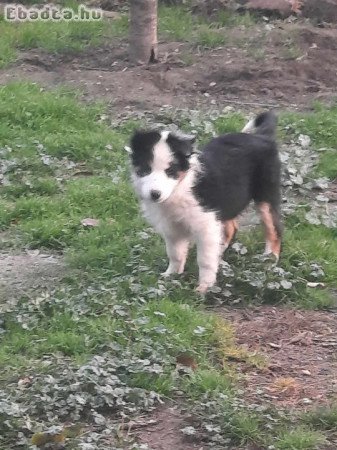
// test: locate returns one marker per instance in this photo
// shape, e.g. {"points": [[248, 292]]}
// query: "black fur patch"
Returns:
{"points": [[181, 148], [142, 143], [238, 168]]}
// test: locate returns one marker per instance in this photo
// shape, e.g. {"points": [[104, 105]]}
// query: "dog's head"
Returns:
{"points": [[160, 161]]}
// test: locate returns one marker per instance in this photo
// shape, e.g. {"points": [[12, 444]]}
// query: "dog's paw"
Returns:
{"points": [[202, 288], [271, 255], [167, 273]]}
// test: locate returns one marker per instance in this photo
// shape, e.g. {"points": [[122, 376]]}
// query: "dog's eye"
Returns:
{"points": [[172, 171], [143, 171]]}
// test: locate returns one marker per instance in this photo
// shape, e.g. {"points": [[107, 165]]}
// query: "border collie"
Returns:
{"points": [[196, 197]]}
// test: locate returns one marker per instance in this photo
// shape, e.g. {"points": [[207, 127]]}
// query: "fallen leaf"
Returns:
{"points": [[314, 285], [286, 284], [90, 222], [25, 382], [186, 360], [84, 173], [271, 344]]}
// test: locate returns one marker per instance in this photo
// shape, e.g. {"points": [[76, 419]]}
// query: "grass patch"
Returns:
{"points": [[56, 37], [179, 24], [300, 439], [228, 18], [324, 418], [112, 333], [321, 126]]}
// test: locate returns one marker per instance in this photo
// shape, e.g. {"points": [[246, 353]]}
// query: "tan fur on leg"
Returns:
{"points": [[230, 227], [273, 239]]}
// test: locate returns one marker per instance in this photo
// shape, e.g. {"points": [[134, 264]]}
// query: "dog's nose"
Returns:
{"points": [[155, 195]]}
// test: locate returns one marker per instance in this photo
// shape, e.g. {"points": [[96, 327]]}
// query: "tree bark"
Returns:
{"points": [[143, 46]]}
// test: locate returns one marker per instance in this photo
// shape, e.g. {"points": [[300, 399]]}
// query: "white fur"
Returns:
{"points": [[180, 219], [157, 180]]}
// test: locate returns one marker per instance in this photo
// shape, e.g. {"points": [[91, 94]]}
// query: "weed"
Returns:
{"points": [[179, 24], [228, 18], [210, 37], [299, 439], [324, 418], [176, 23]]}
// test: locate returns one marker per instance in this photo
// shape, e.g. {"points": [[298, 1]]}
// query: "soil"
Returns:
{"points": [[163, 431], [278, 64], [23, 273], [299, 348]]}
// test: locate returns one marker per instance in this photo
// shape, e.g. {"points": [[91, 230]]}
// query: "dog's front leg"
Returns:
{"points": [[208, 253], [177, 250]]}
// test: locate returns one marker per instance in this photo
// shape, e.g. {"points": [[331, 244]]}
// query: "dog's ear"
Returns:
{"points": [[182, 144]]}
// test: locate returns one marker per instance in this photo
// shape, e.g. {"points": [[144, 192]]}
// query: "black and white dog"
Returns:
{"points": [[196, 197]]}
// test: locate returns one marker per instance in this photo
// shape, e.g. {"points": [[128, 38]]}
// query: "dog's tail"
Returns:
{"points": [[265, 124]]}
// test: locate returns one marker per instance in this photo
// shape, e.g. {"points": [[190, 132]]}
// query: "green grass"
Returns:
{"points": [[324, 418], [176, 23], [62, 164], [300, 439], [321, 125], [179, 24], [56, 37], [228, 18]]}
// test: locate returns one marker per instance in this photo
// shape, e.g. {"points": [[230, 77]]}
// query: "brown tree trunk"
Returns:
{"points": [[143, 31]]}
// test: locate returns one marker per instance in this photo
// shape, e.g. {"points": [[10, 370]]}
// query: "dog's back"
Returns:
{"points": [[240, 167]]}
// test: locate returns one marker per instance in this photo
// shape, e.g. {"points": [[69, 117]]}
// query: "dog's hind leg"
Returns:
{"points": [[177, 250], [272, 223], [230, 229]]}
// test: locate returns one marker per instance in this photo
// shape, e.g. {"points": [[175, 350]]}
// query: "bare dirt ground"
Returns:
{"points": [[279, 64], [300, 352], [23, 273], [285, 65], [164, 431]]}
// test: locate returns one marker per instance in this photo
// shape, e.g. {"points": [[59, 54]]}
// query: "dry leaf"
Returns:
{"points": [[314, 285], [25, 382], [271, 344], [183, 359], [90, 222]]}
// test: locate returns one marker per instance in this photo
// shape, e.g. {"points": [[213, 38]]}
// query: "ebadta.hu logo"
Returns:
{"points": [[20, 13]]}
